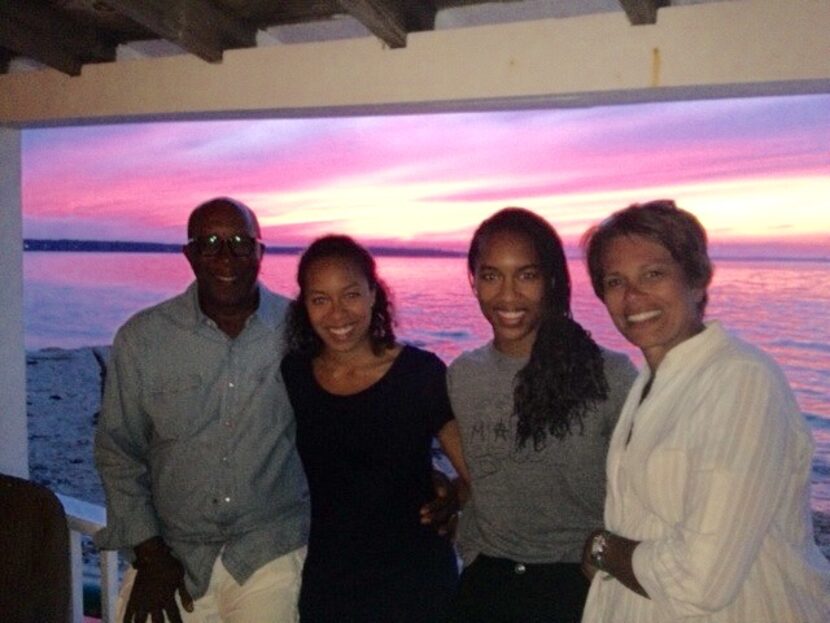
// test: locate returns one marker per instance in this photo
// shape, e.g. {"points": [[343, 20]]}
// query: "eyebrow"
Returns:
{"points": [[650, 264], [524, 267], [353, 284]]}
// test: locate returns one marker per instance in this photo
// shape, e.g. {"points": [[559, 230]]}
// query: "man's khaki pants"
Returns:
{"points": [[269, 595]]}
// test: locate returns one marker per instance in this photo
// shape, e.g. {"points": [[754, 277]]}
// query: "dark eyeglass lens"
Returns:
{"points": [[239, 246]]}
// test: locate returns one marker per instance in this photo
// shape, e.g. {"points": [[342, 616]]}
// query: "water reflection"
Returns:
{"points": [[80, 299]]}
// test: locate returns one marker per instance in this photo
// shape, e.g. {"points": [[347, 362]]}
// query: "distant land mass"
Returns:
{"points": [[123, 246]]}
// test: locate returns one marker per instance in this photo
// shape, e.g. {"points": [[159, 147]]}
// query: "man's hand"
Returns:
{"points": [[442, 512], [158, 576]]}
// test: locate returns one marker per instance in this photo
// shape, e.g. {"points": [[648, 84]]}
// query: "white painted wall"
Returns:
{"points": [[14, 444], [715, 49]]}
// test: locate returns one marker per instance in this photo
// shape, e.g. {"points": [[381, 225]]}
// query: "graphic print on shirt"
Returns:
{"points": [[491, 444]]}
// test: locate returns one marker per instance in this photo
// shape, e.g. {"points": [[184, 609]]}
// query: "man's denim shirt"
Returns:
{"points": [[196, 440]]}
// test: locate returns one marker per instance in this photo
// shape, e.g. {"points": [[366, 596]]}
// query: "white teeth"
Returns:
{"points": [[643, 316], [341, 331], [225, 279], [511, 315]]}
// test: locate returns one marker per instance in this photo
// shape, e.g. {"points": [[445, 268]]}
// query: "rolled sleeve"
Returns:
{"points": [[121, 444]]}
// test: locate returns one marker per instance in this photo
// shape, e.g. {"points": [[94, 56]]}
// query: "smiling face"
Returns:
{"points": [[227, 283], [648, 296], [339, 300], [509, 285]]}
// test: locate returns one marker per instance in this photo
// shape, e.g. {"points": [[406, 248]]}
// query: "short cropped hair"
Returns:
{"points": [[675, 229]]}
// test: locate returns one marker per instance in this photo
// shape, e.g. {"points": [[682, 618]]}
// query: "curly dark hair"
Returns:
{"points": [[300, 335], [564, 376]]}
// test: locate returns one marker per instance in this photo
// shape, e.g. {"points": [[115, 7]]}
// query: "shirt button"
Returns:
{"points": [[230, 384], [227, 500], [228, 424], [519, 569], [225, 460]]}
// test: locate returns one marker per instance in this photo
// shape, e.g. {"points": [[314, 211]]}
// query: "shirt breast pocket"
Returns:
{"points": [[173, 404], [666, 473]]}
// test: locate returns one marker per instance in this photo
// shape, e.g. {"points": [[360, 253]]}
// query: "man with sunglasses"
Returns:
{"points": [[195, 444]]}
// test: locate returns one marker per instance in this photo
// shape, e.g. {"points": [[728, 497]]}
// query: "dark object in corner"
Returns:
{"points": [[34, 554]]}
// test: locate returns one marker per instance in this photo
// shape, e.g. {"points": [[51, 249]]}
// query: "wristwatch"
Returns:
{"points": [[599, 548]]}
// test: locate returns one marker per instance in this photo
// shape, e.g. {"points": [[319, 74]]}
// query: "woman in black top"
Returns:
{"points": [[367, 409]]}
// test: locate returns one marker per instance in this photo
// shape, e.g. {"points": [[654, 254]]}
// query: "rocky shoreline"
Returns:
{"points": [[63, 399]]}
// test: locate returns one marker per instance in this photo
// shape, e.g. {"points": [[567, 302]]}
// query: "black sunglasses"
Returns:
{"points": [[239, 245]]}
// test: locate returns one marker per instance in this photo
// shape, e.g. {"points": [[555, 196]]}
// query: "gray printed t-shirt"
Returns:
{"points": [[530, 505]]}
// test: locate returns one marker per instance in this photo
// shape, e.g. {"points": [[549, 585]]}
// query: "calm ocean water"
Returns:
{"points": [[80, 299]]}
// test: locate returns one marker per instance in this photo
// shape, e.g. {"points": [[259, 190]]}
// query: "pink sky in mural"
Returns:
{"points": [[755, 171]]}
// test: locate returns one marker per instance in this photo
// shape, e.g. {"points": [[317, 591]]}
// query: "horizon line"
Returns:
{"points": [[124, 246]]}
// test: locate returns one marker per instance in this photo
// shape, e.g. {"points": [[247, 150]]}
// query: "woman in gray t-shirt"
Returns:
{"points": [[536, 407]]}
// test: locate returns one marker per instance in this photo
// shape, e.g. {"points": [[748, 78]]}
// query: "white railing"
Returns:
{"points": [[85, 518]]}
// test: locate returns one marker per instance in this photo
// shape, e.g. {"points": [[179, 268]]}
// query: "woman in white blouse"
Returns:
{"points": [[707, 508]]}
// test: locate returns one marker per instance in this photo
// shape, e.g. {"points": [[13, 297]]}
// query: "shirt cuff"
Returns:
{"points": [[655, 574], [126, 534]]}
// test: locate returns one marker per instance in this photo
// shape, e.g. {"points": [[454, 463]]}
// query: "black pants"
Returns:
{"points": [[421, 593], [496, 590]]}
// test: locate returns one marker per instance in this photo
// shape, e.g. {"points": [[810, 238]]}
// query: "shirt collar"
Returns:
{"points": [[696, 347], [270, 311]]}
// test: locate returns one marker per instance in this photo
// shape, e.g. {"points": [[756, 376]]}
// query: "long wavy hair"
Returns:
{"points": [[300, 334], [564, 376]]}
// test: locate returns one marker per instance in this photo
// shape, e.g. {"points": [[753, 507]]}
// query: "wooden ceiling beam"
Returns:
{"points": [[383, 18], [642, 12], [30, 44], [48, 36], [197, 26]]}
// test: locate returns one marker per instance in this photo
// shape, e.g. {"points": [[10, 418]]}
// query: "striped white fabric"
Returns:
{"points": [[715, 484]]}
